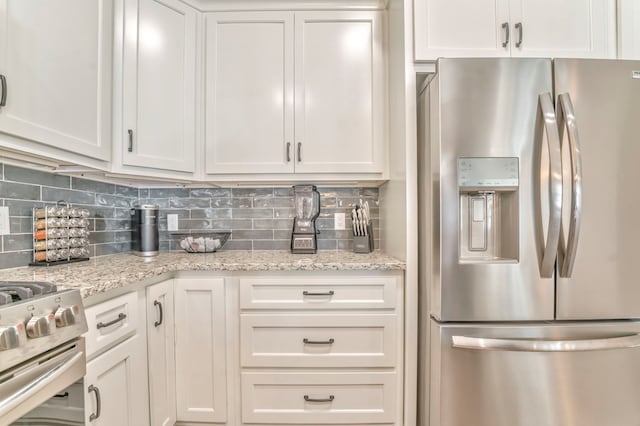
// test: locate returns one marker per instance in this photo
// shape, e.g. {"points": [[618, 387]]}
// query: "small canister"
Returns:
{"points": [[145, 230]]}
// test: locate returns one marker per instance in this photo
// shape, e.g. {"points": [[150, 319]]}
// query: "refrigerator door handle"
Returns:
{"points": [[548, 119], [529, 345], [567, 119]]}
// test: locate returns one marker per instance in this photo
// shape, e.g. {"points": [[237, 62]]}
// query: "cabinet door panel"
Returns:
{"points": [[200, 350], [629, 29], [459, 28], [161, 355], [570, 28], [115, 376], [159, 85], [340, 92], [56, 57], [249, 79]]}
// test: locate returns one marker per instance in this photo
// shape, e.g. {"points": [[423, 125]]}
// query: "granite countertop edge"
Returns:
{"points": [[115, 272]]}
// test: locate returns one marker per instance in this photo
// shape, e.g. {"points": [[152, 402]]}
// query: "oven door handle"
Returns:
{"points": [[40, 382]]}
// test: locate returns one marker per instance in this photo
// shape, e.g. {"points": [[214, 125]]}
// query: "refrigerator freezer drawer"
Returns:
{"points": [[535, 375]]}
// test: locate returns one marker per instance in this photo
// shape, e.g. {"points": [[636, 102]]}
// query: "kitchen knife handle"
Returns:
{"points": [[159, 322], [299, 152], [567, 118], [3, 98], [505, 27], [130, 149], [546, 120], [288, 152], [519, 29]]}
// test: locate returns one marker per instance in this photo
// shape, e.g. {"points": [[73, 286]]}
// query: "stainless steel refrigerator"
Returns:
{"points": [[530, 243]]}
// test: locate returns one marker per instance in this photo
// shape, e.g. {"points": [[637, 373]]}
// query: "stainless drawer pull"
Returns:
{"points": [[532, 345], [159, 322], [121, 316], [318, 342], [94, 416], [331, 398], [310, 293]]}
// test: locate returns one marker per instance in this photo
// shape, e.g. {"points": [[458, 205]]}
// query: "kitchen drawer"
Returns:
{"points": [[318, 293], [318, 340], [349, 398], [111, 321]]}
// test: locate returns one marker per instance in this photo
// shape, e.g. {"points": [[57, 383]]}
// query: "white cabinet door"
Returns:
{"points": [[115, 389], [55, 58], [159, 85], [249, 92], [562, 29], [340, 92], [459, 28], [629, 29], [160, 353], [201, 372]]}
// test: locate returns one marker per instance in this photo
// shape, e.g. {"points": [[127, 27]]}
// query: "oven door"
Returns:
{"points": [[26, 389]]}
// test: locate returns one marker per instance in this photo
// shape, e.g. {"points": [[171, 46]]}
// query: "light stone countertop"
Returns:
{"points": [[109, 273]]}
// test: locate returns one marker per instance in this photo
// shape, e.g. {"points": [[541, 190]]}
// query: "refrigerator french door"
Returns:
{"points": [[528, 205]]}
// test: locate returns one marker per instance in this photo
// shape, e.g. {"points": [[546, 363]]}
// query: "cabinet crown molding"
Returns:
{"points": [[260, 5]]}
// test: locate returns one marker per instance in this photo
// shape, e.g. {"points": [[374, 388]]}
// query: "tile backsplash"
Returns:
{"points": [[259, 218], [22, 189]]}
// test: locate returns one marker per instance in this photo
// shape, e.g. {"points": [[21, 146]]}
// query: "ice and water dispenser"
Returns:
{"points": [[489, 224]]}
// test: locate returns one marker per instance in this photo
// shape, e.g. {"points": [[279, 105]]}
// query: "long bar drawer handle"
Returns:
{"points": [[318, 342], [310, 293], [526, 345], [159, 322], [331, 398], [121, 317], [96, 415]]}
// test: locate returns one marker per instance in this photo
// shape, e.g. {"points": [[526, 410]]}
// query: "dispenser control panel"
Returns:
{"points": [[475, 172]]}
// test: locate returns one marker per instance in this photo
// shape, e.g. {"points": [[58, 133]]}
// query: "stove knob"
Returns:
{"points": [[41, 326], [66, 316], [12, 336]]}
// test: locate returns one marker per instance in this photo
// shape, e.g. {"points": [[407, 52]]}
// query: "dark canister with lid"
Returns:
{"points": [[145, 229]]}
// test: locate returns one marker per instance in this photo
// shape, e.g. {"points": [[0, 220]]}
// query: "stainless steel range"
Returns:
{"points": [[41, 348]]}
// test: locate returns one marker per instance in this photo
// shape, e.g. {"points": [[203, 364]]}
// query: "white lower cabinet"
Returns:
{"points": [[201, 366], [115, 388], [161, 354]]}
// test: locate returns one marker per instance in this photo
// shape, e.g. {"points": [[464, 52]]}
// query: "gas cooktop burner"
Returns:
{"points": [[15, 291]]}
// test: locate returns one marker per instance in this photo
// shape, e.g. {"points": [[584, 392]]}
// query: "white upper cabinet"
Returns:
{"points": [[340, 92], [518, 28], [55, 62], [249, 92], [159, 94], [456, 28], [563, 29], [629, 29], [336, 121]]}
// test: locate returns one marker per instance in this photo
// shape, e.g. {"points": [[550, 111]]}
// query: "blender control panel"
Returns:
{"points": [[303, 243]]}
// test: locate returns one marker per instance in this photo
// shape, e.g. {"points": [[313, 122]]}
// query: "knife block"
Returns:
{"points": [[364, 244]]}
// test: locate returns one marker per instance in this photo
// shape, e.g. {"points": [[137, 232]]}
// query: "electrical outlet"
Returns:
{"points": [[338, 219], [172, 222], [5, 228]]}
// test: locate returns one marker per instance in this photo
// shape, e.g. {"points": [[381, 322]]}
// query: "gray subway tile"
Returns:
{"points": [[115, 201], [242, 203], [211, 214], [237, 245], [271, 245], [143, 193], [19, 191], [221, 203], [338, 192], [261, 234], [272, 223], [68, 195], [92, 186], [189, 203], [24, 175], [251, 213], [101, 212], [19, 225], [282, 234], [252, 192], [194, 224], [112, 224], [283, 192], [182, 213], [21, 208], [273, 202], [233, 224], [97, 237], [210, 192], [162, 203], [15, 242], [283, 213], [127, 191], [327, 245], [168, 192], [15, 258], [111, 248]]}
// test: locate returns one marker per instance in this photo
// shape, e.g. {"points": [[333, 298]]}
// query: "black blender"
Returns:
{"points": [[307, 206]]}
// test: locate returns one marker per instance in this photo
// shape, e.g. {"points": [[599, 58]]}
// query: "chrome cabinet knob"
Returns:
{"points": [[41, 326], [12, 336], [66, 316]]}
